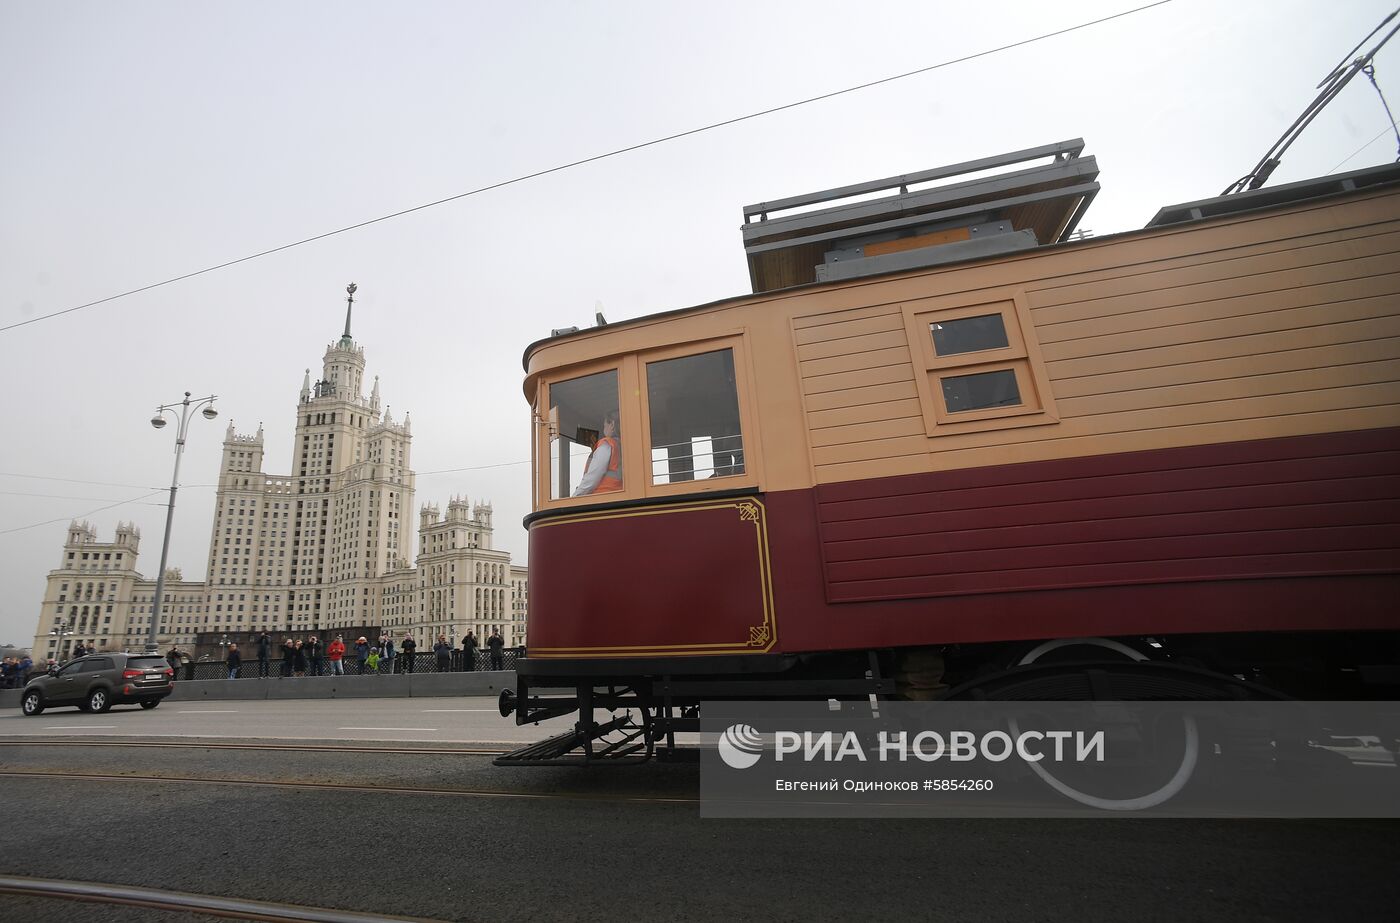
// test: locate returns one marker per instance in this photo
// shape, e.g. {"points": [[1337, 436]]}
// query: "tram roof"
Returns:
{"points": [[1173, 216]]}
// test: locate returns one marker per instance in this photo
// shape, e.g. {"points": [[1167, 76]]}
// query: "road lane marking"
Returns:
{"points": [[234, 712], [386, 729], [428, 711], [80, 727]]}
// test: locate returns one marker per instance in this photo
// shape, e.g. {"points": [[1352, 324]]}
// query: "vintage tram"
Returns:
{"points": [[948, 447]]}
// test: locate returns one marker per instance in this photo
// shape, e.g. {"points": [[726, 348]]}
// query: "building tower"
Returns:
{"points": [[302, 552]]}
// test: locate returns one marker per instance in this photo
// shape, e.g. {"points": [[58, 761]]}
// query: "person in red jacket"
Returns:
{"points": [[334, 653]]}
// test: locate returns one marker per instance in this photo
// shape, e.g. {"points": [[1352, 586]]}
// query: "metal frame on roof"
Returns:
{"points": [[1064, 150], [1045, 200], [1272, 196]]}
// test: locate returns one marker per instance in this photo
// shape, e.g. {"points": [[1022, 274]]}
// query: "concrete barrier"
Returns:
{"points": [[412, 685]]}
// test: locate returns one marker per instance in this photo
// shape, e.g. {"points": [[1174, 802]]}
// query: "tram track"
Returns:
{"points": [[101, 893], [351, 788]]}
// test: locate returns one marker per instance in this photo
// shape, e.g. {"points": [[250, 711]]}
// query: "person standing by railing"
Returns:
{"points": [[264, 654], [386, 652], [289, 654], [496, 643], [409, 648], [469, 646], [336, 653], [234, 660], [444, 654], [313, 655], [362, 653]]}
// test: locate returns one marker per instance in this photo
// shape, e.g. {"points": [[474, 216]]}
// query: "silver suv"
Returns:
{"points": [[98, 681]]}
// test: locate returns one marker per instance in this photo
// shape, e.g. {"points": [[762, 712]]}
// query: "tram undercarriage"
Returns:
{"points": [[648, 703]]}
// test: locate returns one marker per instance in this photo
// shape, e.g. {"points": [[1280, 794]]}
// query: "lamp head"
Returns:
{"points": [[158, 421], [210, 413]]}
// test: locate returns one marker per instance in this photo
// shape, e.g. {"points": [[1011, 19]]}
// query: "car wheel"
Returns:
{"points": [[32, 704], [149, 703], [99, 700]]}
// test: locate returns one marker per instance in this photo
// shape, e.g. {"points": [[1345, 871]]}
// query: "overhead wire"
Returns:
{"points": [[100, 509], [1379, 135], [1370, 71], [587, 160]]}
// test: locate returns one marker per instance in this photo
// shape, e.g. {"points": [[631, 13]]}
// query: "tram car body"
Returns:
{"points": [[944, 437]]}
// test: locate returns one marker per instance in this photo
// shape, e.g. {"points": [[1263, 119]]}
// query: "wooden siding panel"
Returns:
{"points": [[819, 317], [1346, 259], [1051, 298], [1245, 385], [878, 323], [857, 362], [1279, 342], [1324, 504], [1168, 520], [1242, 364], [859, 397], [1251, 327], [841, 381], [845, 346], [1239, 567], [1173, 309], [1136, 317], [1308, 316], [1135, 491], [867, 431], [865, 412], [874, 449]]}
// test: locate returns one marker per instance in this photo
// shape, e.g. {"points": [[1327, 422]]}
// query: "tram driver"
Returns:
{"points": [[603, 472]]}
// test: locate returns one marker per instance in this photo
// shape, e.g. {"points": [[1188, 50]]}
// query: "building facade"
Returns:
{"points": [[325, 547]]}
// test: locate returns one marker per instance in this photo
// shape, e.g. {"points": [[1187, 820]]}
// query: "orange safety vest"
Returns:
{"points": [[612, 479]]}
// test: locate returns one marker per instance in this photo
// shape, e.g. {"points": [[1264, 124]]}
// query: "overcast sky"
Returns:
{"points": [[145, 140]]}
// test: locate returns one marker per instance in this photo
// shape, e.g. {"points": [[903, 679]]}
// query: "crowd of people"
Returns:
{"points": [[313, 657], [14, 671]]}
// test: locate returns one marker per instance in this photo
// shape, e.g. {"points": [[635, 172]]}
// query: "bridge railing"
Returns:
{"points": [[421, 663]]}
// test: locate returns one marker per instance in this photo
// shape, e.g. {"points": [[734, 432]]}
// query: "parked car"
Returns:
{"points": [[98, 681]]}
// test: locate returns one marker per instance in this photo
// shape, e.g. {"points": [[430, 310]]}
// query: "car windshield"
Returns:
{"points": [[146, 663]]}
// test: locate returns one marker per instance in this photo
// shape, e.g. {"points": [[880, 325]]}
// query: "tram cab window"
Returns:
{"points": [[694, 415], [586, 448]]}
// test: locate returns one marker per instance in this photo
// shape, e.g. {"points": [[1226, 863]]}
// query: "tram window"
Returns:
{"points": [[977, 392], [586, 449], [969, 334], [694, 416]]}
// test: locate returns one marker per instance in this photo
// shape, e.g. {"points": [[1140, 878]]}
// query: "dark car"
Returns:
{"points": [[98, 681]]}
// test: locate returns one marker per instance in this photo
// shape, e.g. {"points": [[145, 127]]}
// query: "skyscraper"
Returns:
{"points": [[327, 546]]}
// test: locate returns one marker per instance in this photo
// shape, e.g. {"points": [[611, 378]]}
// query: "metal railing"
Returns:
{"points": [[685, 461], [421, 663]]}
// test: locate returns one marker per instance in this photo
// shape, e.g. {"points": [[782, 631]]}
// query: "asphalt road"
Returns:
{"points": [[617, 842], [437, 720]]}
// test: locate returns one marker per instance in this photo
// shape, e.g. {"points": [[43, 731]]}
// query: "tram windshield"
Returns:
{"points": [[585, 440], [694, 416]]}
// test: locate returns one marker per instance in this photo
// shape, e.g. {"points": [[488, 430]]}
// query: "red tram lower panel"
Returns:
{"points": [[1287, 534]]}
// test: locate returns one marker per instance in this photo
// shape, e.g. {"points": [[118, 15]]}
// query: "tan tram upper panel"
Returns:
{"points": [[1276, 322]]}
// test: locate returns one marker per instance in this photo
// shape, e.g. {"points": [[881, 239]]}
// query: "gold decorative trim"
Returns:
{"points": [[761, 637]]}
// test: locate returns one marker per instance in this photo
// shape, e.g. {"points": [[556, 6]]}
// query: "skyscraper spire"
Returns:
{"points": [[349, 305]]}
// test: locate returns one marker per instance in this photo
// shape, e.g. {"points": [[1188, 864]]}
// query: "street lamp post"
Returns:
{"points": [[186, 410], [61, 629]]}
